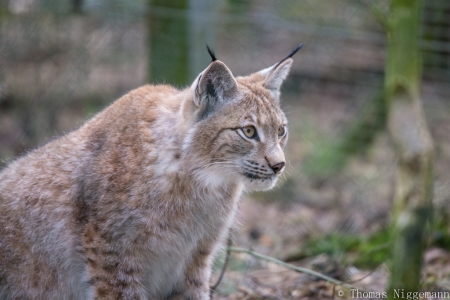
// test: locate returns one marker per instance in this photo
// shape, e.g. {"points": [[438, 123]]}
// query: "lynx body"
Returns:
{"points": [[136, 202]]}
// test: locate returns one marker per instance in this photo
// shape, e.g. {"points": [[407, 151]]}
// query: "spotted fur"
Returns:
{"points": [[136, 202]]}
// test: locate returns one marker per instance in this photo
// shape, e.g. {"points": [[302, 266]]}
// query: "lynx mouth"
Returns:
{"points": [[254, 176]]}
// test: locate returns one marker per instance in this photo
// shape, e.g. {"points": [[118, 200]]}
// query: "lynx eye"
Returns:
{"points": [[250, 132], [281, 131]]}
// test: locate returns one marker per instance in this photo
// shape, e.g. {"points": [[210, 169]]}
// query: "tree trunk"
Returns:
{"points": [[407, 125], [168, 32]]}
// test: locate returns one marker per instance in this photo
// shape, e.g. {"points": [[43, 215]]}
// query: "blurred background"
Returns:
{"points": [[62, 61]]}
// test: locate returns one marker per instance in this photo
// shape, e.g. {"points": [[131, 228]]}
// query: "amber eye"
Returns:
{"points": [[281, 131], [250, 131]]}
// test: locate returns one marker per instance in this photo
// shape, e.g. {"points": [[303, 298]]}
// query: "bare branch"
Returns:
{"points": [[292, 267]]}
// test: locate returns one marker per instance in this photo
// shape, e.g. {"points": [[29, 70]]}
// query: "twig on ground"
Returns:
{"points": [[292, 267], [222, 272]]}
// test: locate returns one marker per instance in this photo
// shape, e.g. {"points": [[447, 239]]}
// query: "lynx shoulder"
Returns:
{"points": [[136, 202]]}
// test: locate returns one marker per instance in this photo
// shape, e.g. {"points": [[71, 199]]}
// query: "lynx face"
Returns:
{"points": [[250, 147], [264, 135], [240, 131]]}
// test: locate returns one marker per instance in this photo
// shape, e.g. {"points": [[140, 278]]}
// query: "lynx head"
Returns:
{"points": [[239, 131]]}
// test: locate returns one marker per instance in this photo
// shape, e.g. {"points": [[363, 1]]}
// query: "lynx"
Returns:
{"points": [[137, 201]]}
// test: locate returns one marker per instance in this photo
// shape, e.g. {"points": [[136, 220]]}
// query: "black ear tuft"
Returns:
{"points": [[211, 53], [299, 46]]}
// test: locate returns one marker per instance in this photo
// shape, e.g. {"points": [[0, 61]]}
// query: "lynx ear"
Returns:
{"points": [[213, 87], [275, 75]]}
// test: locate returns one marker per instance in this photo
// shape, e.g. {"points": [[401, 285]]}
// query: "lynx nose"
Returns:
{"points": [[278, 167]]}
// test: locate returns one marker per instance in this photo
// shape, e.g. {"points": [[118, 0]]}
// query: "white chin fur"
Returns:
{"points": [[259, 184]]}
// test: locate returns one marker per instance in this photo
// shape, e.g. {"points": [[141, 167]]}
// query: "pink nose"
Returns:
{"points": [[278, 167]]}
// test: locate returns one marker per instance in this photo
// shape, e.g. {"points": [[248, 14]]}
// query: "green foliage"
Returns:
{"points": [[373, 250], [369, 251], [360, 250], [332, 244], [440, 236]]}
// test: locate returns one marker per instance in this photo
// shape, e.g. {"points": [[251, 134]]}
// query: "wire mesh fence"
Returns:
{"points": [[63, 61]]}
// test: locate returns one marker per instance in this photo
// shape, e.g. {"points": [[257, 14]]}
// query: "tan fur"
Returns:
{"points": [[135, 203]]}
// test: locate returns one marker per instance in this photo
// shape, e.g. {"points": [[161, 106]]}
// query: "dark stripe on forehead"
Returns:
{"points": [[260, 93], [270, 105], [266, 105], [261, 98]]}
